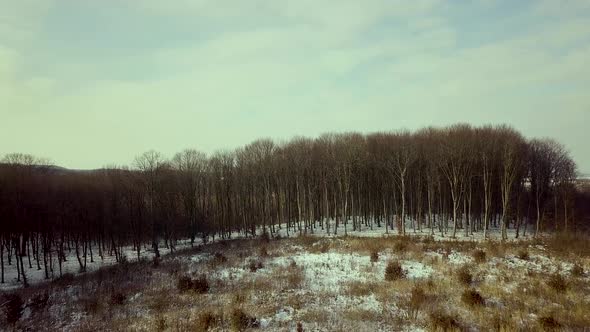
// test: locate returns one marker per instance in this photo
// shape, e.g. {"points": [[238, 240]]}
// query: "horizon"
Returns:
{"points": [[90, 84]]}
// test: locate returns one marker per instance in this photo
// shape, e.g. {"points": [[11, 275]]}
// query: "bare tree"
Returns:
{"points": [[191, 166], [151, 164], [511, 155]]}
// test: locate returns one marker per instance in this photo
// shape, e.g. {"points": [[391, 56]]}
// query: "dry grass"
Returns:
{"points": [[479, 256], [199, 285], [523, 254], [394, 271], [472, 298], [464, 275], [374, 256], [240, 320], [417, 301], [569, 244], [577, 270], [448, 300], [360, 288], [557, 283], [549, 323], [442, 321]]}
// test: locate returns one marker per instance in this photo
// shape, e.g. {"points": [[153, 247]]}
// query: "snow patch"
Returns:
{"points": [[284, 314], [458, 258], [416, 270]]}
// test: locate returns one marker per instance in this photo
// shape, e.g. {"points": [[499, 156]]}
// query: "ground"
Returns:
{"points": [[316, 283]]}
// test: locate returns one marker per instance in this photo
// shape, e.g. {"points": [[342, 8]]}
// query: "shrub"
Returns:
{"points": [[161, 323], [156, 262], [184, 283], [299, 327], [523, 254], [374, 256], [577, 270], [39, 301], [91, 304], [199, 285], [173, 268], [255, 265], [479, 256], [219, 258], [118, 298], [239, 298], [265, 237], [417, 299], [464, 276], [442, 321], [65, 279], [206, 320], [472, 298], [394, 271], [549, 323], [159, 302], [400, 246], [240, 320], [501, 322], [557, 283], [295, 277], [13, 308]]}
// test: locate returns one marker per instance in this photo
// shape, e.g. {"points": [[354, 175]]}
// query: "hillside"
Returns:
{"points": [[316, 283]]}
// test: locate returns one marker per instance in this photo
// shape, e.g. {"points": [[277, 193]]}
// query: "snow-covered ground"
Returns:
{"points": [[327, 284], [35, 275]]}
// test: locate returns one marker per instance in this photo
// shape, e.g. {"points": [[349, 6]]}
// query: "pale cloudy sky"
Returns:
{"points": [[89, 83]]}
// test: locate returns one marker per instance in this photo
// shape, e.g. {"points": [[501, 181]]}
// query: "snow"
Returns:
{"points": [[284, 314], [366, 303], [327, 276], [232, 273], [71, 265], [416, 270], [457, 258]]}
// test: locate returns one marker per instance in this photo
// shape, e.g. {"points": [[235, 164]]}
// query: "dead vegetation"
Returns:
{"points": [[250, 287], [394, 271], [464, 276]]}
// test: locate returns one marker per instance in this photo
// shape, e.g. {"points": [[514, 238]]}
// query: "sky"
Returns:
{"points": [[95, 83]]}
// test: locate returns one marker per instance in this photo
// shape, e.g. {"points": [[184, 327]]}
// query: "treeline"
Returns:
{"points": [[444, 180]]}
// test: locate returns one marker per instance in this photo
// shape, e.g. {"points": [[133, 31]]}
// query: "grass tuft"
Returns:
{"points": [[394, 271], [418, 299], [523, 254], [374, 256], [557, 283], [241, 321], [549, 323], [577, 270], [441, 321], [472, 298], [464, 276], [199, 285], [13, 307], [479, 256], [255, 265]]}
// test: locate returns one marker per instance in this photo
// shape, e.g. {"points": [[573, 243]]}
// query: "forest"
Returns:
{"points": [[453, 181]]}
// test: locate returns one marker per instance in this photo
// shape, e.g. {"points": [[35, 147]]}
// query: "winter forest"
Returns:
{"points": [[452, 181], [281, 166], [349, 231]]}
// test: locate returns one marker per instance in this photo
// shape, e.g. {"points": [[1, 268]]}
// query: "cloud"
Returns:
{"points": [[217, 74]]}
